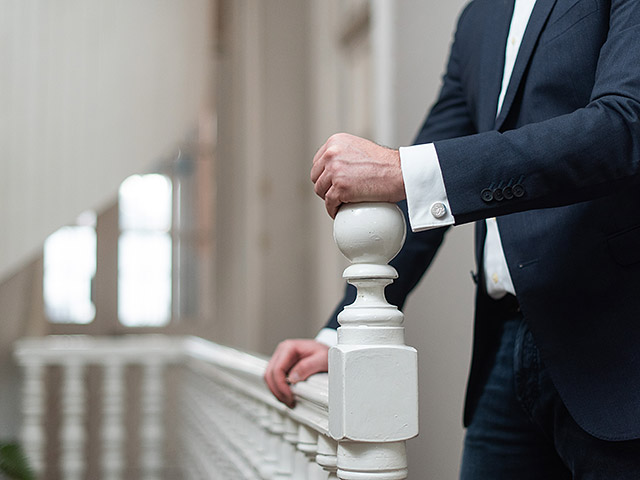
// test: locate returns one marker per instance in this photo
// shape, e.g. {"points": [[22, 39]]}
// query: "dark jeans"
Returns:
{"points": [[521, 430]]}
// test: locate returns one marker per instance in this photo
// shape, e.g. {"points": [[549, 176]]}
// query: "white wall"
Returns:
{"points": [[90, 92]]}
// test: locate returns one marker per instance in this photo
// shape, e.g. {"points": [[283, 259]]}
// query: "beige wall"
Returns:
{"points": [[261, 197], [91, 92]]}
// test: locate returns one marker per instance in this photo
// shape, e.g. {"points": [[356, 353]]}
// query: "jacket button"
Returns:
{"points": [[518, 190], [486, 195], [497, 195], [507, 192]]}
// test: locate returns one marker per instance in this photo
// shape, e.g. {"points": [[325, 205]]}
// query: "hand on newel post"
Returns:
{"points": [[373, 379]]}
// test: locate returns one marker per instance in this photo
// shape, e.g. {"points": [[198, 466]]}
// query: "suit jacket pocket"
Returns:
{"points": [[562, 21], [625, 247]]}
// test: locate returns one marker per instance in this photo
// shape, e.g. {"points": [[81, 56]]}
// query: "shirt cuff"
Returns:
{"points": [[328, 336], [424, 186]]}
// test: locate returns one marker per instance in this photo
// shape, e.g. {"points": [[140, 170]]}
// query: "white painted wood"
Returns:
{"points": [[231, 426], [307, 444], [113, 431], [33, 398], [73, 435], [276, 429], [327, 456], [371, 364], [286, 461], [152, 431]]}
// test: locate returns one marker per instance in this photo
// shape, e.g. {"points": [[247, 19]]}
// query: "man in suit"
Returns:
{"points": [[535, 136]]}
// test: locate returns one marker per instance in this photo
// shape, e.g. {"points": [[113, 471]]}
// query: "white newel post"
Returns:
{"points": [[373, 380]]}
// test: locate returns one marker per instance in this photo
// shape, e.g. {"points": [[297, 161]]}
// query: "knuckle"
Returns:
{"points": [[332, 152], [332, 195], [338, 181], [335, 137]]}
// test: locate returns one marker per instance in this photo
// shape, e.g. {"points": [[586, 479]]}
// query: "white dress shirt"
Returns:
{"points": [[425, 189]]}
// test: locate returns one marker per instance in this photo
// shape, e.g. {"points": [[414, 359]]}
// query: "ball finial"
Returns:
{"points": [[370, 233]]}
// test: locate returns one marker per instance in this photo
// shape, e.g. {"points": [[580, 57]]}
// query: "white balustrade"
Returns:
{"points": [[351, 424]]}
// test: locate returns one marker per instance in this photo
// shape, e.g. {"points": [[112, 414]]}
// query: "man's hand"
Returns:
{"points": [[349, 169], [292, 362]]}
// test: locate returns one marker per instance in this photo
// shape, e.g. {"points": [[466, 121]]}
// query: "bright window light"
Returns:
{"points": [[69, 267], [144, 251]]}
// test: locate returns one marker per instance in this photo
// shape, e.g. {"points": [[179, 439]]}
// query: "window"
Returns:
{"points": [[69, 268], [143, 263], [144, 251]]}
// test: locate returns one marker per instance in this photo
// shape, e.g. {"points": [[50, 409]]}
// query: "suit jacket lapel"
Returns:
{"points": [[537, 21], [494, 35]]}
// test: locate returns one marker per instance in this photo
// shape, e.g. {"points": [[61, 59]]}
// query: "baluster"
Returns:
{"points": [[267, 456], [306, 466], [73, 411], [113, 432], [271, 458], [151, 432], [213, 410], [327, 456], [253, 432], [284, 471], [373, 385], [33, 401]]}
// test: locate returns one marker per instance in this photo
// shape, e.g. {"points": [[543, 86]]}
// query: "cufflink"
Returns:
{"points": [[438, 210]]}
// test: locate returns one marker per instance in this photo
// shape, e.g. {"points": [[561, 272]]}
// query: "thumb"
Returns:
{"points": [[307, 367]]}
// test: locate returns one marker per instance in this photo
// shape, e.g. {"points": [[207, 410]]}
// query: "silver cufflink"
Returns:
{"points": [[438, 210]]}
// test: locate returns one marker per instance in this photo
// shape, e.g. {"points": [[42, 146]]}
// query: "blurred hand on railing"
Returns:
{"points": [[293, 361], [350, 169]]}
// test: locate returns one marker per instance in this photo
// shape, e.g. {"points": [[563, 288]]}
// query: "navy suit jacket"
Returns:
{"points": [[560, 169]]}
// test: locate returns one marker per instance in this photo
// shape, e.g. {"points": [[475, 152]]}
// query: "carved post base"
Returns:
{"points": [[366, 461]]}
